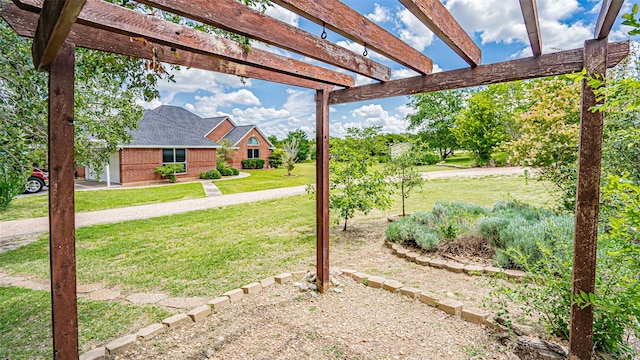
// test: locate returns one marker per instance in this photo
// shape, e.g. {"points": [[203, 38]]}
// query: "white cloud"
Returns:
{"points": [[436, 69], [376, 115], [149, 104], [189, 80], [283, 15], [257, 115], [380, 14], [363, 80], [208, 105], [413, 31], [405, 110], [403, 73], [190, 107]]}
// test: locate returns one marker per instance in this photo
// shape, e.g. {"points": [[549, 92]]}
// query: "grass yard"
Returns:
{"points": [[302, 174], [202, 253], [38, 205], [25, 316]]}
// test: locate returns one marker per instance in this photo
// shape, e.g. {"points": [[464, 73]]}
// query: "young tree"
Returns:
{"points": [[302, 141], [435, 117], [480, 127], [404, 175], [290, 148], [226, 152], [355, 182]]}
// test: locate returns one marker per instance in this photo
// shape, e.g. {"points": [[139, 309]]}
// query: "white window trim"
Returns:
{"points": [[174, 159]]}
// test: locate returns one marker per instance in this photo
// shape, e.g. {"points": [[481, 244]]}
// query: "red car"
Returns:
{"points": [[37, 181]]}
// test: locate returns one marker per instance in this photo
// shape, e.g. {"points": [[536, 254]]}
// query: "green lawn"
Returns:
{"points": [[202, 253], [302, 174], [37, 205], [25, 316]]}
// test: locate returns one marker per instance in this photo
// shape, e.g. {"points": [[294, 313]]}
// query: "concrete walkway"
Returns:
{"points": [[24, 227]]}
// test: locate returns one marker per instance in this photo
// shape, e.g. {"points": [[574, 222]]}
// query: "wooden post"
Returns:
{"points": [[61, 206], [587, 201], [322, 189]]}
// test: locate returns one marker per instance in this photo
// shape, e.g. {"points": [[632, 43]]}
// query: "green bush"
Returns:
{"points": [[427, 158], [12, 183], [211, 174], [169, 171], [235, 171], [425, 239], [275, 159], [252, 164], [408, 231]]}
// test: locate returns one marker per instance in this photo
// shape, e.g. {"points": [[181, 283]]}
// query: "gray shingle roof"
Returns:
{"points": [[170, 126], [238, 133]]}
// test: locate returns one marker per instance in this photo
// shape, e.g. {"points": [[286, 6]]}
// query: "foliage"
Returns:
{"points": [[426, 158], [225, 153], [252, 163], [356, 184], [272, 179], [169, 171], [211, 174], [435, 117], [107, 89], [275, 158], [404, 175], [480, 127], [274, 141], [549, 133], [616, 301], [303, 144], [289, 154], [407, 231], [12, 182]]}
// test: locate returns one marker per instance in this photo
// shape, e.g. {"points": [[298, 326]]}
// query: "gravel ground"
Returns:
{"points": [[359, 322]]}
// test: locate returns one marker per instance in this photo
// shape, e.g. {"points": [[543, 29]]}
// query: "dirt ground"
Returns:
{"points": [[358, 322]]}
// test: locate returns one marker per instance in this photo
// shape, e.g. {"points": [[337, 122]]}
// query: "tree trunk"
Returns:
{"points": [[345, 224]]}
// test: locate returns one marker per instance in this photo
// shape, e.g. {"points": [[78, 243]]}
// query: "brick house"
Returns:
{"points": [[170, 134]]}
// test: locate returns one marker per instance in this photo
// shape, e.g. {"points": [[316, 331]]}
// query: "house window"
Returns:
{"points": [[253, 141], [253, 153], [175, 156]]}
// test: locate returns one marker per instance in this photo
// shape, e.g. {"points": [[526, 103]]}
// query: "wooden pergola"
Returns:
{"points": [[57, 26]]}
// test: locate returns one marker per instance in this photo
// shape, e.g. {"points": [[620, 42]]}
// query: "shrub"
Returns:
{"points": [[401, 231], [211, 174], [426, 240], [234, 171], [252, 164], [11, 184], [427, 158], [169, 171], [275, 159]]}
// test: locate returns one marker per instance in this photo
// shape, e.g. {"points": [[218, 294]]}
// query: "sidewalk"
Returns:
{"points": [[24, 227]]}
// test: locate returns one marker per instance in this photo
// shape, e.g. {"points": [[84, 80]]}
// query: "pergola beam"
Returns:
{"points": [[342, 19], [24, 22], [530, 14], [559, 63], [608, 14], [439, 20], [116, 19], [251, 23], [53, 27]]}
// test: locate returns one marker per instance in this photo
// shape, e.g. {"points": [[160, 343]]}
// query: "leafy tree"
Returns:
{"points": [[549, 134], [356, 184], [435, 117], [226, 152], [275, 158], [303, 143], [107, 89], [480, 127], [274, 140], [404, 175], [290, 148]]}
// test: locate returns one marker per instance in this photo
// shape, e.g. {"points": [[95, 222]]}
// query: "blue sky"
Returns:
{"points": [[495, 25]]}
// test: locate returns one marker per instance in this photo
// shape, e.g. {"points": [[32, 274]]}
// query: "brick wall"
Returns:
{"points": [[241, 153], [138, 165], [221, 130]]}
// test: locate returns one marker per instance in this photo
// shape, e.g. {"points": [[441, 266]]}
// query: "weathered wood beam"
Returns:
{"points": [[562, 62], [342, 19], [236, 17], [53, 27], [112, 18], [439, 20], [62, 243], [322, 189], [530, 15], [608, 14], [24, 22], [587, 203]]}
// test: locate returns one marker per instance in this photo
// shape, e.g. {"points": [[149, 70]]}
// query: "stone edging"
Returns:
{"points": [[450, 265], [449, 306]]}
